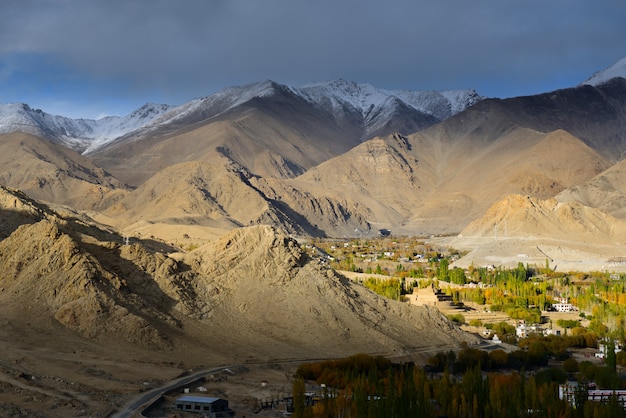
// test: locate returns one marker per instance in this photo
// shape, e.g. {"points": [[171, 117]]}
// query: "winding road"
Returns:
{"points": [[134, 407]]}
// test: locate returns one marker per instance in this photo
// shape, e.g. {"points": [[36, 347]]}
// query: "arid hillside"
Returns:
{"points": [[189, 202], [276, 135], [567, 235], [594, 114], [434, 181], [431, 182], [94, 282], [51, 172], [528, 216], [251, 296], [606, 191]]}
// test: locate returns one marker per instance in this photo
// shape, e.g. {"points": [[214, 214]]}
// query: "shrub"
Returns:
{"points": [[457, 318], [570, 365]]}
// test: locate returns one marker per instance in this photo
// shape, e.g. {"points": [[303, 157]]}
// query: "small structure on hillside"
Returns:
{"points": [[432, 296], [207, 406]]}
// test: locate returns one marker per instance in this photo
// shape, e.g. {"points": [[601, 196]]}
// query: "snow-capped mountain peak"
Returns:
{"points": [[337, 97], [616, 70], [80, 134], [108, 129], [440, 104], [360, 96]]}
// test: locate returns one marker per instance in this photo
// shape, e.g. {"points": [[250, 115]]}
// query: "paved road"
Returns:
{"points": [[134, 407]]}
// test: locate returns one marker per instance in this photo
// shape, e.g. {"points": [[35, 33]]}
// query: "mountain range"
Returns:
{"points": [[168, 236], [329, 159], [372, 110]]}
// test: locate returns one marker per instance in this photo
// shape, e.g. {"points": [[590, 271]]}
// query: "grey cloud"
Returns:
{"points": [[191, 47]]}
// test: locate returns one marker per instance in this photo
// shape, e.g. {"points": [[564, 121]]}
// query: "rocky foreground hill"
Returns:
{"points": [[251, 296], [256, 280]]}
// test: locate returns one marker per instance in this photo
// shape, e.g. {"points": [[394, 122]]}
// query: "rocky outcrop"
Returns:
{"points": [[253, 290]]}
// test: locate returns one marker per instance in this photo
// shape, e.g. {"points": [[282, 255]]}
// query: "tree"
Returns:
{"points": [[442, 270], [570, 365], [498, 358], [457, 275], [611, 359], [606, 378], [379, 269], [299, 390], [620, 358]]}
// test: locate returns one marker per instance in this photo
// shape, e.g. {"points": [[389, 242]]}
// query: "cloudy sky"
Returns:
{"points": [[83, 58]]}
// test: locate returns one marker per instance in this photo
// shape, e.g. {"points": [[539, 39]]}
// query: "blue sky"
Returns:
{"points": [[82, 58]]}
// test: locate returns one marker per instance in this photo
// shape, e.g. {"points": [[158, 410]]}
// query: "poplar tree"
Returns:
{"points": [[299, 390]]}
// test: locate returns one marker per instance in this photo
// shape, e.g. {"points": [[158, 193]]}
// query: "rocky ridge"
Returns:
{"points": [[254, 287]]}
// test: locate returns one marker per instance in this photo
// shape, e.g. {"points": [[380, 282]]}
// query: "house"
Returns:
{"points": [[523, 330], [568, 392], [603, 348], [564, 307], [207, 406]]}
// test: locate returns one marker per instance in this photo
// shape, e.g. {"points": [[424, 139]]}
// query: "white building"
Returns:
{"points": [[564, 307], [523, 330], [567, 391], [603, 348]]}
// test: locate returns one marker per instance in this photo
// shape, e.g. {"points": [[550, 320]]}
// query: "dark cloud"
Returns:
{"points": [[173, 51]]}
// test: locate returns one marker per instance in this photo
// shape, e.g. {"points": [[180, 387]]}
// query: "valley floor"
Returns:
{"points": [[563, 256]]}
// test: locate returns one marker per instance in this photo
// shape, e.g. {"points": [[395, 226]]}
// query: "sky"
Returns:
{"points": [[91, 58]]}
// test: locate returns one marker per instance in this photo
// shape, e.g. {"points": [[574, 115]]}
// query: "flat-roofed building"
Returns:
{"points": [[205, 405]]}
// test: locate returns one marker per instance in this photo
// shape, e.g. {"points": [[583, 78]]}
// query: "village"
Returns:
{"points": [[416, 271]]}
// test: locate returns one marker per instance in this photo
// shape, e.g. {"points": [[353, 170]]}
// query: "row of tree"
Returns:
{"points": [[364, 386]]}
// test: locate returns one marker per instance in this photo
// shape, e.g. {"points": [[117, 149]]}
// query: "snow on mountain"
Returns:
{"points": [[108, 129], [217, 103], [616, 70], [337, 97], [79, 134], [20, 117], [365, 97]]}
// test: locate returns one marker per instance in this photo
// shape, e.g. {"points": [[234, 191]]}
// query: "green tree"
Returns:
{"points": [[457, 275], [299, 390], [379, 269], [442, 269], [621, 358], [611, 359]]}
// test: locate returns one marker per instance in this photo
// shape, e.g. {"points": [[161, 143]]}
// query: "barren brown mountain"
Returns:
{"points": [[304, 169], [188, 203], [594, 114], [568, 235], [51, 172], [252, 295], [431, 182], [607, 191], [277, 135]]}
